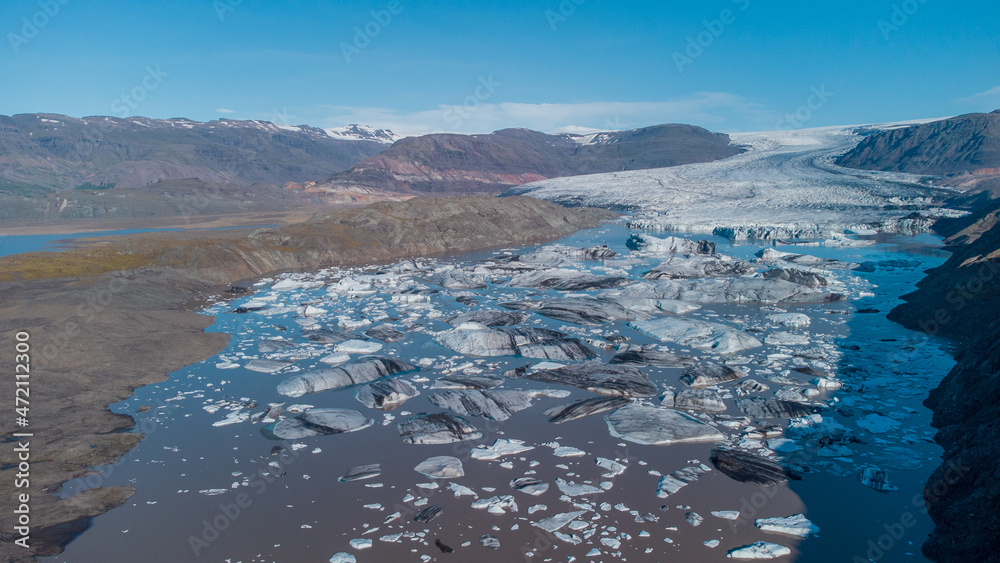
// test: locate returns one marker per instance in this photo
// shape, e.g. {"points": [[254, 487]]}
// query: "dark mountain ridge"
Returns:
{"points": [[41, 153], [449, 163], [965, 144]]}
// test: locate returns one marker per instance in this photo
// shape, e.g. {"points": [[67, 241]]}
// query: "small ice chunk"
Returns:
{"points": [[614, 468], [496, 505], [500, 448], [461, 490], [726, 514], [759, 550], [357, 347], [572, 489], [796, 525], [489, 541], [567, 451], [553, 523], [441, 467], [361, 543]]}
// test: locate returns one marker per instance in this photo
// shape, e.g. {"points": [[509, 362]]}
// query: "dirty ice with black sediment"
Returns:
{"points": [[669, 340]]}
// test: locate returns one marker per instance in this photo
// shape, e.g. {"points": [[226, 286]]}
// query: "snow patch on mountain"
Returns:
{"points": [[355, 132]]}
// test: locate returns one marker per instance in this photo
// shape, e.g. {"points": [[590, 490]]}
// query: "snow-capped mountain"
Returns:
{"points": [[452, 163], [355, 132], [42, 152]]}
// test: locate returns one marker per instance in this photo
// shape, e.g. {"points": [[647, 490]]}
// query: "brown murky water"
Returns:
{"points": [[305, 514]]}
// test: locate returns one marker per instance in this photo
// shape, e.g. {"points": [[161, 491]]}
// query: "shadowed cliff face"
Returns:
{"points": [[961, 299], [963, 494], [107, 318]]}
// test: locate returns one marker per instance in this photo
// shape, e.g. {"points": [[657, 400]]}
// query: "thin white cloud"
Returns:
{"points": [[475, 116], [991, 96], [224, 110]]}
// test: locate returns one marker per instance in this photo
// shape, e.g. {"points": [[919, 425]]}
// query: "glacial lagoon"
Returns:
{"points": [[646, 400]]}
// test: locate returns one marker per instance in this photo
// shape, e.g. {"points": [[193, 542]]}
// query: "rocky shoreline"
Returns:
{"points": [[961, 300], [106, 319]]}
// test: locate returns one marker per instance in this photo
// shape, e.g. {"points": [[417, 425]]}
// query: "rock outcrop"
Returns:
{"points": [[961, 300]]}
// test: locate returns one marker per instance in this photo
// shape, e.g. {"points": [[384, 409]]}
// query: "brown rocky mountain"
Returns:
{"points": [[967, 143], [41, 153], [446, 163], [56, 169]]}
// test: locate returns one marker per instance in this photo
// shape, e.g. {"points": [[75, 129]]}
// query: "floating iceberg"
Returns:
{"points": [[441, 467], [701, 335], [600, 378], [365, 370], [438, 428], [319, 422], [658, 426]]}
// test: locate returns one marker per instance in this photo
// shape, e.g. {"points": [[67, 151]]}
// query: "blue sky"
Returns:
{"points": [[437, 65]]}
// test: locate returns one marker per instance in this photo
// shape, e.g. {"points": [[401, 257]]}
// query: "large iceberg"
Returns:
{"points": [[702, 335], [658, 426], [365, 370]]}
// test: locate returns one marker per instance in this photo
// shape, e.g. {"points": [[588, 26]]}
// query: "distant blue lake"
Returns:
{"points": [[19, 244]]}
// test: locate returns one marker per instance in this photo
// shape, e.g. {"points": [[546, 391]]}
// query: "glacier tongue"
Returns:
{"points": [[783, 175]]}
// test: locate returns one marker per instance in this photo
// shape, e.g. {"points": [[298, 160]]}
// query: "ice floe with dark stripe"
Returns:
{"points": [[475, 339], [361, 472], [489, 318], [437, 428], [747, 467], [770, 407], [364, 370], [386, 394], [598, 377], [708, 374], [698, 266], [562, 279], [320, 422], [490, 403], [640, 356], [583, 408]]}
